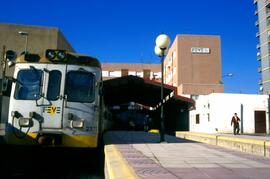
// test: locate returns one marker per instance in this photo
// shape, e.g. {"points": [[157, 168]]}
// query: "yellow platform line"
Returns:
{"points": [[117, 166], [227, 138]]}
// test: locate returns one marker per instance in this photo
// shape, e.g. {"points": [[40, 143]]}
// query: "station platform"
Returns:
{"points": [[130, 154]]}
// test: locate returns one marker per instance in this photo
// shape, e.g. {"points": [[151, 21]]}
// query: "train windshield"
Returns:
{"points": [[28, 85], [54, 85], [80, 86]]}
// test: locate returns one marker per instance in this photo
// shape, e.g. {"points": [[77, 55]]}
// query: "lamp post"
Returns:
{"points": [[227, 75], [25, 34], [161, 48]]}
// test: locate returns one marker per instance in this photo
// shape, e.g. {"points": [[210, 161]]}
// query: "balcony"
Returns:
{"points": [[268, 14], [257, 34], [258, 46], [259, 69], [267, 3], [257, 23], [259, 57], [260, 82], [256, 13], [255, 2]]}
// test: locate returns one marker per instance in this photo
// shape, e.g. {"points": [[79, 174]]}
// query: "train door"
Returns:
{"points": [[81, 105], [54, 93]]}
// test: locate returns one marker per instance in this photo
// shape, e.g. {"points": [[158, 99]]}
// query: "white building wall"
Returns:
{"points": [[221, 107]]}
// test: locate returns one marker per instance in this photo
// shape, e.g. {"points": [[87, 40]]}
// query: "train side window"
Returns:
{"points": [[80, 87], [28, 85], [54, 85]]}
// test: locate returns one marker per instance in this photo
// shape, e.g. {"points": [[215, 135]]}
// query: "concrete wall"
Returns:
{"points": [[39, 39], [113, 70], [248, 145], [216, 110], [197, 60]]}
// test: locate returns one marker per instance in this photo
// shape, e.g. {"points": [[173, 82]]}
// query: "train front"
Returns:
{"points": [[55, 100]]}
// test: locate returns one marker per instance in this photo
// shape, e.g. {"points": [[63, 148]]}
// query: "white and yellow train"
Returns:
{"points": [[55, 100]]}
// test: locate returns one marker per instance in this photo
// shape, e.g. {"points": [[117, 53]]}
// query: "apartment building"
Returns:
{"points": [[263, 56]]}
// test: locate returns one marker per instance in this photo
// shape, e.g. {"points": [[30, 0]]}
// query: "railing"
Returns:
{"points": [[257, 23], [256, 13], [267, 2], [260, 82], [259, 57], [259, 69]]}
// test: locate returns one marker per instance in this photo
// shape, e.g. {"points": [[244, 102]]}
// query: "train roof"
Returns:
{"points": [[59, 57]]}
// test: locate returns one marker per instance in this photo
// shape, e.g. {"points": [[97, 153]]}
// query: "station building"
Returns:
{"points": [[213, 113]]}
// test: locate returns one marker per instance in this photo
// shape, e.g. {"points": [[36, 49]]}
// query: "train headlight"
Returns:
{"points": [[61, 55], [76, 124], [25, 122], [50, 54]]}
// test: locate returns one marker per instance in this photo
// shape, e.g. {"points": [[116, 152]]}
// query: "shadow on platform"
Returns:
{"points": [[139, 137]]}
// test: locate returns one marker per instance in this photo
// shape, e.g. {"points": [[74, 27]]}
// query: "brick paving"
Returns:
{"points": [[181, 158]]}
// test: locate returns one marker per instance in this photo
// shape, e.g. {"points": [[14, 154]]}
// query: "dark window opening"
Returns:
{"points": [[80, 87], [146, 74], [197, 118], [124, 72], [54, 85]]}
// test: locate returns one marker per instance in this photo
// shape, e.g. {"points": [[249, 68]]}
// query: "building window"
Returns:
{"points": [[114, 73], [124, 72], [157, 75], [111, 73], [146, 74], [268, 21], [208, 117], [139, 74], [105, 73], [197, 118], [174, 55]]}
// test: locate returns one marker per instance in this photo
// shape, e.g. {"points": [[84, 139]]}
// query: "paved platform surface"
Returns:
{"points": [[181, 158]]}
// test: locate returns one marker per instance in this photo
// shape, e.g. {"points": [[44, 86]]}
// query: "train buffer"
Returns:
{"points": [[131, 154]]}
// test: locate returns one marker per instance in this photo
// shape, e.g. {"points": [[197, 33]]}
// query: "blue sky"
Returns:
{"points": [[125, 30]]}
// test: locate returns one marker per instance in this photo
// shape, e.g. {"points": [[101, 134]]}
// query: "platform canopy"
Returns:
{"points": [[127, 89]]}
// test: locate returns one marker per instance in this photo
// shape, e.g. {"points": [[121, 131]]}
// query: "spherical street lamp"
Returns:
{"points": [[161, 49]]}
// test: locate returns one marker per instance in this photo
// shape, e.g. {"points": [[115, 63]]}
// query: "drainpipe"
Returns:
{"points": [[2, 80], [242, 119], [268, 113]]}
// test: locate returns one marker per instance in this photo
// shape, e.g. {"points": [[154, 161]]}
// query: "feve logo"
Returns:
{"points": [[53, 110]]}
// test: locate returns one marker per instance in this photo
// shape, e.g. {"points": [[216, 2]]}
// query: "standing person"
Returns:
{"points": [[235, 123]]}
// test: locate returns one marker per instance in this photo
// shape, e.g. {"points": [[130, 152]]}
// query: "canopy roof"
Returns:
{"points": [[143, 91]]}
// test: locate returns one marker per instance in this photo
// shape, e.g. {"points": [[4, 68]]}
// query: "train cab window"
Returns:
{"points": [[28, 85], [80, 86], [54, 85]]}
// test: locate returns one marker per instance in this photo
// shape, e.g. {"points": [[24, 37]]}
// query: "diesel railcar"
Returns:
{"points": [[55, 100]]}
